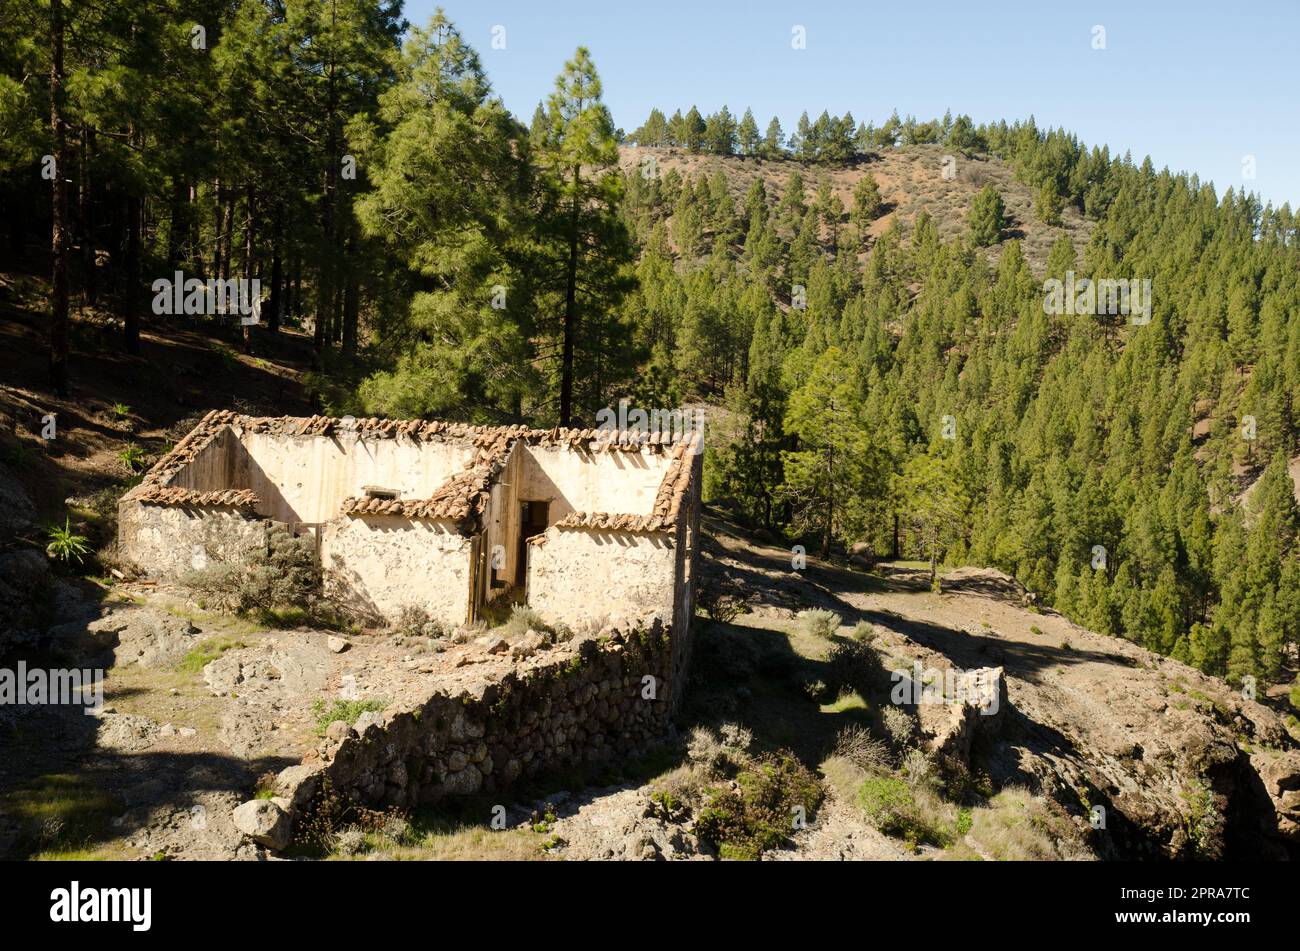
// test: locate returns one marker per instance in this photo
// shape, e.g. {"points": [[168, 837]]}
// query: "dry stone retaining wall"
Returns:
{"points": [[572, 706]]}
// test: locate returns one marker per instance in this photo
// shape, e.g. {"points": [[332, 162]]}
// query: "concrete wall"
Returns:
{"points": [[213, 467], [305, 478], [578, 576], [380, 564], [619, 482], [164, 540]]}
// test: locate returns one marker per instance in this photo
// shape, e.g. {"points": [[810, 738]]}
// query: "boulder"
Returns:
{"points": [[297, 784], [336, 644], [531, 643], [265, 822], [367, 720], [338, 731]]}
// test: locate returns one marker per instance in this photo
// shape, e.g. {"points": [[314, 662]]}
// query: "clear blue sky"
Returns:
{"points": [[1197, 86]]}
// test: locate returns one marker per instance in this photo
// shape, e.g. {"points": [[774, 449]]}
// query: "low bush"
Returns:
{"points": [[522, 620], [855, 665], [718, 599], [759, 811], [898, 726], [857, 745], [348, 711], [283, 574], [819, 622], [893, 807]]}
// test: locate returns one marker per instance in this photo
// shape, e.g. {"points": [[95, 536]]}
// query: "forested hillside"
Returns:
{"points": [[865, 305], [1097, 456]]}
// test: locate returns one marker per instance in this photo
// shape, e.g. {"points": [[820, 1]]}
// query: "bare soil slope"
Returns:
{"points": [[911, 181]]}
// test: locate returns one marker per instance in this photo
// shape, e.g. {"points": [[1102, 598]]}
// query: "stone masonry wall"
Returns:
{"points": [[572, 705], [380, 564], [170, 540]]}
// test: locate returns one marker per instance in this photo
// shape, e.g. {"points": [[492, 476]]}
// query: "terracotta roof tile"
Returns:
{"points": [[464, 496]]}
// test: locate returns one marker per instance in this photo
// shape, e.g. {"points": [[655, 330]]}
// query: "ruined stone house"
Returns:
{"points": [[585, 526]]}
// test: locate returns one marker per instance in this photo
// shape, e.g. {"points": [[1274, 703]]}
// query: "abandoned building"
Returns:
{"points": [[585, 526]]}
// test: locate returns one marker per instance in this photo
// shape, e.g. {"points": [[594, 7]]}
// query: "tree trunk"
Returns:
{"points": [[277, 252], [131, 299], [245, 326], [351, 304], [295, 302], [193, 229], [177, 231], [324, 273], [570, 312], [830, 504], [86, 211], [227, 234], [58, 211]]}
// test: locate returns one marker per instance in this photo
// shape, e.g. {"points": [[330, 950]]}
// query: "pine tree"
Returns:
{"points": [[935, 503], [1049, 204], [579, 161], [773, 139], [441, 164], [747, 135], [693, 128], [987, 217], [866, 202], [834, 468]]}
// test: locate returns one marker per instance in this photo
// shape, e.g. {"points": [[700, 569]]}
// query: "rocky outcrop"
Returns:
{"points": [[24, 577], [978, 705]]}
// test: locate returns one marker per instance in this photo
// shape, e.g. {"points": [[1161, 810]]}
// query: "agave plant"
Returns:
{"points": [[66, 545], [132, 457]]}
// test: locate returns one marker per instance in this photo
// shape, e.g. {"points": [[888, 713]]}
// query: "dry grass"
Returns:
{"points": [[1018, 826], [465, 843]]}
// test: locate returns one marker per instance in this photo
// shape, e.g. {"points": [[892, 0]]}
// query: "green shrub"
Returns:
{"points": [[892, 807], [819, 622], [18, 456], [1294, 695], [348, 711], [745, 822]]}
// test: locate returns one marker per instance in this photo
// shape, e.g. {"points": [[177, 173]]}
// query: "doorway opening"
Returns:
{"points": [[532, 522]]}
